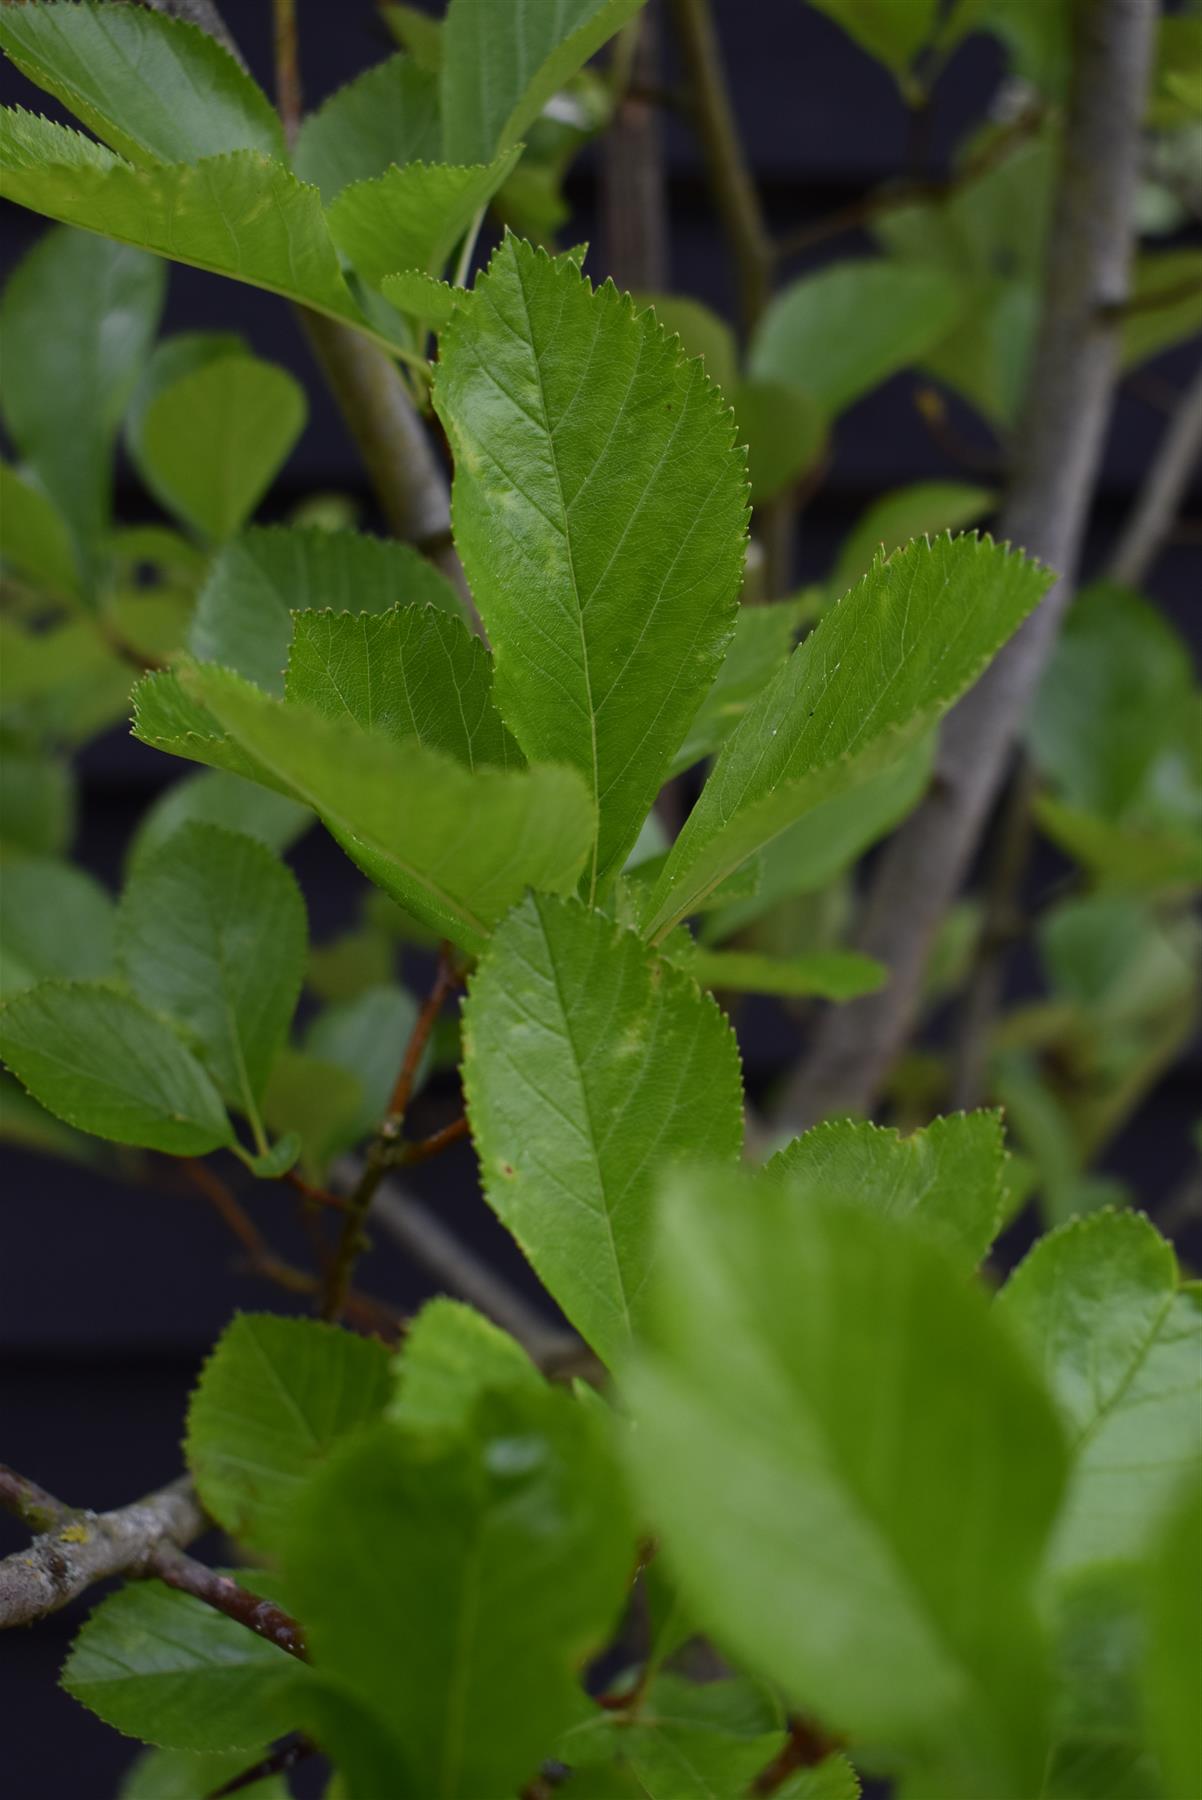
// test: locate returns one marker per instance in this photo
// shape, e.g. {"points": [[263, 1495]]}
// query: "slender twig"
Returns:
{"points": [[267, 1620], [932, 410], [386, 1146], [634, 202], [288, 96], [460, 1271], [276, 1762], [314, 1196], [425, 1148], [730, 175], [902, 194], [1058, 448], [363, 1311], [81, 1548], [1150, 521], [1153, 298], [806, 1746]]}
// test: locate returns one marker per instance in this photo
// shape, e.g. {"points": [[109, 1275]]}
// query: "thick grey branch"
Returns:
{"points": [[81, 1548], [634, 200], [1059, 447], [1162, 492]]}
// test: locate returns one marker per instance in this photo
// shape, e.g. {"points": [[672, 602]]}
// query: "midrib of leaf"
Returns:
{"points": [[285, 1393], [1105, 1412], [578, 1071], [564, 530]]}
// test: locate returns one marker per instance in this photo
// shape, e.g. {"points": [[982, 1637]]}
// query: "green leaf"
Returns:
{"points": [[185, 1775], [501, 65], [890, 1521], [685, 1742], [158, 90], [164, 1667], [317, 1101], [412, 218], [822, 844], [947, 1179], [600, 512], [416, 32], [77, 319], [1099, 1749], [212, 933], [241, 215], [874, 675], [37, 801], [421, 296], [102, 1062], [838, 334], [763, 637], [922, 510], [213, 798], [1167, 288], [894, 33], [272, 1401], [507, 1554], [1174, 1655], [412, 673], [701, 332], [62, 683], [784, 429], [1115, 722], [244, 614], [455, 848], [387, 115], [588, 1068], [366, 1036], [1099, 1307], [210, 443], [36, 542], [54, 920], [822, 974], [452, 1356]]}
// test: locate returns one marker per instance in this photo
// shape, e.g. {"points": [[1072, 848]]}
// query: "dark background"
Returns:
{"points": [[110, 1295]]}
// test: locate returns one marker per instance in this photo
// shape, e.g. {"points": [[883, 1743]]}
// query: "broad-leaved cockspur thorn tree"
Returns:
{"points": [[802, 1491]]}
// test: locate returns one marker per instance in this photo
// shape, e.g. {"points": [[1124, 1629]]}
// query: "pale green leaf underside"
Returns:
{"points": [[242, 215], [889, 1521], [411, 673], [587, 1069], [212, 933], [157, 89], [412, 217], [212, 442], [454, 847], [244, 613], [163, 1667], [273, 1399], [875, 674], [600, 509], [501, 64], [947, 1178], [102, 1062], [1098, 1304]]}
